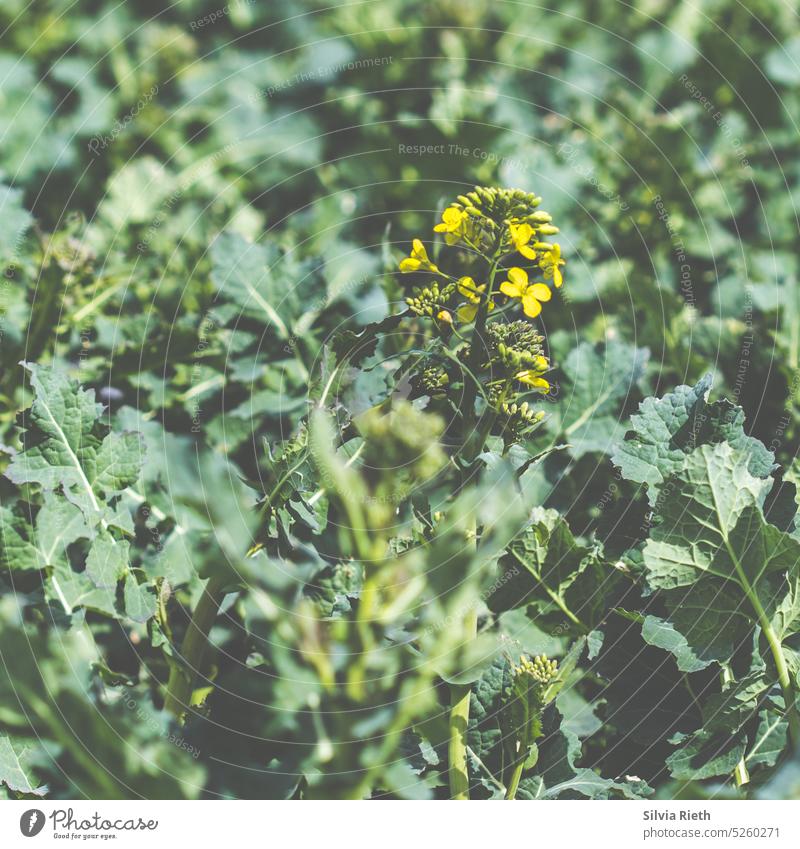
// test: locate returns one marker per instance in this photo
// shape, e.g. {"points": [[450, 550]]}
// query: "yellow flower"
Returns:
{"points": [[472, 292], [418, 261], [552, 262], [521, 234], [533, 376], [444, 317], [453, 221], [532, 295]]}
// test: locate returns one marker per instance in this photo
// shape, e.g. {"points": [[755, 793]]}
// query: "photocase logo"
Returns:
{"points": [[31, 822]]}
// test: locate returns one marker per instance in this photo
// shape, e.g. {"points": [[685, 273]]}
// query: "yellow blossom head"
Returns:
{"points": [[532, 295], [453, 224]]}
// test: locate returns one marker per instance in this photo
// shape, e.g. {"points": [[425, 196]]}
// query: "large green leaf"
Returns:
{"points": [[666, 429], [721, 567], [244, 273], [57, 525], [67, 447]]}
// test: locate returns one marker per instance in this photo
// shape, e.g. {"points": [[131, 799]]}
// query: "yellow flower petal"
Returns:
{"points": [[518, 276], [540, 291], [466, 286], [531, 378], [558, 278], [410, 264], [527, 251], [530, 305], [522, 233], [513, 290]]}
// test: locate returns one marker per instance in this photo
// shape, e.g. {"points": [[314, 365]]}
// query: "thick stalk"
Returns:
{"points": [[513, 784], [459, 719], [195, 643], [460, 694]]}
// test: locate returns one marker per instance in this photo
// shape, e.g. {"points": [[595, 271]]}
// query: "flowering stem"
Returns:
{"points": [[460, 694]]}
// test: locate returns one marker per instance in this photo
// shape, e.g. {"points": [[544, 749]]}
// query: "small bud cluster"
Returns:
{"points": [[433, 380], [515, 335], [431, 300], [498, 206], [540, 668], [520, 417], [517, 350]]}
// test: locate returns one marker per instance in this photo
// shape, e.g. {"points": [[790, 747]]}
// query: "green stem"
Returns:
{"points": [[775, 647], [515, 777], [784, 679], [195, 643], [740, 774], [458, 721]]}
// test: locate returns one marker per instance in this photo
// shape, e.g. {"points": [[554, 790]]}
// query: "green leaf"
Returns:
{"points": [[706, 755], [57, 525], [243, 271], [769, 740], [667, 429], [107, 561], [140, 599], [76, 589], [333, 587], [13, 773], [488, 732], [563, 583], [599, 381], [711, 616], [721, 567], [66, 446]]}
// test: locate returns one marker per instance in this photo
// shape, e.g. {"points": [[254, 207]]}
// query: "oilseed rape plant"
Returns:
{"points": [[336, 463]]}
